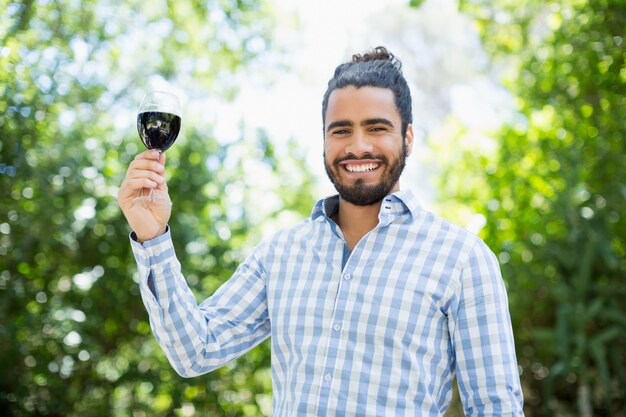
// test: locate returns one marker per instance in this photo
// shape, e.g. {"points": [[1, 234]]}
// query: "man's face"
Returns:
{"points": [[364, 151]]}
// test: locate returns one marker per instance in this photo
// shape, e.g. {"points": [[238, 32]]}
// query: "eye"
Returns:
{"points": [[341, 132], [378, 129]]}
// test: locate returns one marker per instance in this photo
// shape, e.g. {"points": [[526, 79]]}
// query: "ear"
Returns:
{"points": [[408, 139]]}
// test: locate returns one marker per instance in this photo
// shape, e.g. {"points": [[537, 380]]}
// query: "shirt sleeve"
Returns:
{"points": [[487, 372], [199, 338]]}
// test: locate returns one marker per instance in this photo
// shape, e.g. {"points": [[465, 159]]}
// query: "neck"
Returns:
{"points": [[356, 221], [352, 217]]}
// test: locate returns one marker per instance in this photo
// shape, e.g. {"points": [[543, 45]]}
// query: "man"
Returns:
{"points": [[374, 305]]}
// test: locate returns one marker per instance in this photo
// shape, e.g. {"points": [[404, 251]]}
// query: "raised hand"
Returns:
{"points": [[148, 219]]}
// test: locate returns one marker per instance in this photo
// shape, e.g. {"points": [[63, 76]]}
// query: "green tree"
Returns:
{"points": [[551, 186], [74, 335]]}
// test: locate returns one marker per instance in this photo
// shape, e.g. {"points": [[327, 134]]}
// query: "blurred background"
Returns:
{"points": [[520, 115]]}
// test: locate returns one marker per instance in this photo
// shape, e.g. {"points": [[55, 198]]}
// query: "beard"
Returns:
{"points": [[361, 194]]}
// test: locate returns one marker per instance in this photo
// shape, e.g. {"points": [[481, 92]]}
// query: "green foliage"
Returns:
{"points": [[552, 187], [415, 3], [74, 335]]}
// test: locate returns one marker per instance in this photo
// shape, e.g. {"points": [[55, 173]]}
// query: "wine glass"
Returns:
{"points": [[158, 124]]}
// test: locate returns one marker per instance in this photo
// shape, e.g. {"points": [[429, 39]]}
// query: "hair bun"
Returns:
{"points": [[380, 53]]}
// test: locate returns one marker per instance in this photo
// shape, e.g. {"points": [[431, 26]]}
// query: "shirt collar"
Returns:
{"points": [[395, 204]]}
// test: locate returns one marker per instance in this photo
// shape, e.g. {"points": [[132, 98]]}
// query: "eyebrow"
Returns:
{"points": [[377, 121], [366, 122]]}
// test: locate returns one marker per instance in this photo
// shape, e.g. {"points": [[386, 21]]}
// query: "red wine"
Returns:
{"points": [[158, 130]]}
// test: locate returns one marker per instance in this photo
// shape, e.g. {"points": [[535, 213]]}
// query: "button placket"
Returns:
{"points": [[336, 327]]}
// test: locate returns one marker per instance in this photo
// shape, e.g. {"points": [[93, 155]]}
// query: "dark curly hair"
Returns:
{"points": [[377, 68]]}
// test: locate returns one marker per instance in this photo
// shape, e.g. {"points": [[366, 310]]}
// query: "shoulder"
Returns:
{"points": [[437, 229], [448, 229], [464, 244]]}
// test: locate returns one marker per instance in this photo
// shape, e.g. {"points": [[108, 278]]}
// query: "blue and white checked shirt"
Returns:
{"points": [[380, 331]]}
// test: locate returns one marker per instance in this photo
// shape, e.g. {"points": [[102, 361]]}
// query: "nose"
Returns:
{"points": [[359, 144]]}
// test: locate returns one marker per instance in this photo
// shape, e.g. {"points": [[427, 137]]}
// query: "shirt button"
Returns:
{"points": [[347, 276], [337, 327], [327, 378]]}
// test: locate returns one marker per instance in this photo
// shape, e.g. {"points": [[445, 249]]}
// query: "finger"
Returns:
{"points": [[162, 186], [146, 164], [130, 187], [152, 154], [140, 173], [135, 184]]}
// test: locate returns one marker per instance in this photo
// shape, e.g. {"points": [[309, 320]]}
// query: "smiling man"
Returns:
{"points": [[351, 139], [374, 305]]}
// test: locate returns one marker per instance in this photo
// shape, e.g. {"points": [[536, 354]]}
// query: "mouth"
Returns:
{"points": [[360, 166]]}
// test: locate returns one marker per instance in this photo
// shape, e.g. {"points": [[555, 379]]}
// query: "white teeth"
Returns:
{"points": [[361, 168]]}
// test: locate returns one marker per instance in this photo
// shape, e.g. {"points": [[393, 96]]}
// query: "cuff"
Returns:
{"points": [[157, 266]]}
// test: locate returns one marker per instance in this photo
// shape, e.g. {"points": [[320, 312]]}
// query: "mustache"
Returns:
{"points": [[363, 157]]}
